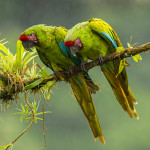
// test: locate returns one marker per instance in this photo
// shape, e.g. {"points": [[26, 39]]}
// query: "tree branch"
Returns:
{"points": [[7, 94], [127, 52]]}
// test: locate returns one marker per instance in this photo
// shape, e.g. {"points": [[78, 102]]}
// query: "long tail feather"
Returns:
{"points": [[122, 92], [91, 85], [84, 99]]}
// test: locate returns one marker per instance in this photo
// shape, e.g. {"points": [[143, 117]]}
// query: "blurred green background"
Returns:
{"points": [[67, 127]]}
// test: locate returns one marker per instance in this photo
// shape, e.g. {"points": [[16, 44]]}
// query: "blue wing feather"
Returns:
{"points": [[66, 52], [64, 49], [110, 39], [77, 60]]}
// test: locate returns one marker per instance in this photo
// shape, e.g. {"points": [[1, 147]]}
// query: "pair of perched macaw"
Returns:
{"points": [[59, 49]]}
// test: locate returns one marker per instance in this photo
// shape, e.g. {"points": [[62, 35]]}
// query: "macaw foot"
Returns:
{"points": [[71, 70], [83, 66], [56, 75], [101, 60]]}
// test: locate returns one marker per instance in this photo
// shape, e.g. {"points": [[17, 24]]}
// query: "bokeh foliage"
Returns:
{"points": [[67, 127]]}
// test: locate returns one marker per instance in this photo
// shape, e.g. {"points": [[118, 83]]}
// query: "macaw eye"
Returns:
{"points": [[33, 38]]}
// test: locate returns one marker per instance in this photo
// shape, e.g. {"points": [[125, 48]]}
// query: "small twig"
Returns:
{"points": [[44, 124], [33, 118]]}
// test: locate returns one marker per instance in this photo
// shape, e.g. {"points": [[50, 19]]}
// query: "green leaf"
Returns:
{"points": [[17, 113], [33, 84], [137, 57], [27, 109], [49, 85], [21, 118], [25, 114], [119, 49], [5, 146], [23, 109], [29, 60], [41, 113], [3, 56], [43, 73], [121, 66], [6, 51], [28, 118], [129, 45], [38, 118], [34, 107], [19, 54], [27, 57]]}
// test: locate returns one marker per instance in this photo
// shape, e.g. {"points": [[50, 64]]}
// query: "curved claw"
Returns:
{"points": [[82, 65], [101, 60], [70, 70], [56, 75]]}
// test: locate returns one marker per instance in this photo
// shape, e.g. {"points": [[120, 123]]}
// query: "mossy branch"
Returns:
{"points": [[8, 93], [126, 52]]}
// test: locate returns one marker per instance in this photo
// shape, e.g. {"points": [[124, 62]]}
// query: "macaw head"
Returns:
{"points": [[28, 41], [30, 37], [74, 46]]}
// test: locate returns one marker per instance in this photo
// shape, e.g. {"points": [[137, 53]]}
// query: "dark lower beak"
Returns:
{"points": [[28, 45], [73, 49]]}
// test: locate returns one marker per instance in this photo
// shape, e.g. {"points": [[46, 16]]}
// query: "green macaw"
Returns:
{"points": [[49, 43], [93, 39]]}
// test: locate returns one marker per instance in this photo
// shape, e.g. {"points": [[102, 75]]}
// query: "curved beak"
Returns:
{"points": [[28, 45]]}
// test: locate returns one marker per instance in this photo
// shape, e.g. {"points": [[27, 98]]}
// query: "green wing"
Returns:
{"points": [[44, 59], [83, 96], [103, 29], [118, 83], [60, 34]]}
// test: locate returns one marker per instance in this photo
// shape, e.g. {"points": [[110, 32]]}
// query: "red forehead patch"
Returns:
{"points": [[70, 43], [24, 38]]}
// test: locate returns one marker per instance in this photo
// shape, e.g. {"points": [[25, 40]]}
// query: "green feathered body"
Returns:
{"points": [[49, 50], [98, 38], [93, 44]]}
